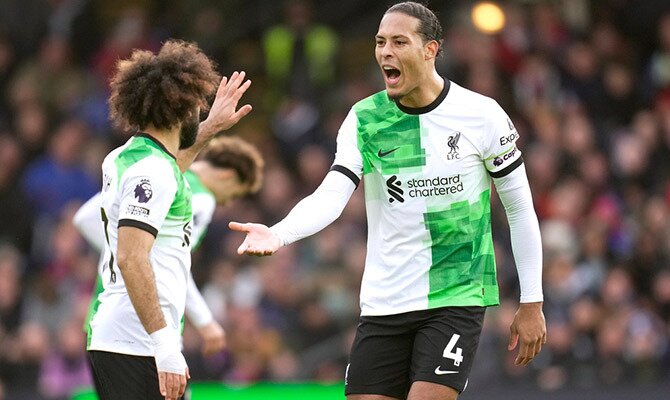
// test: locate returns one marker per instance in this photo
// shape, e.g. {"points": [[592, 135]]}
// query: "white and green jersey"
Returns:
{"points": [[143, 188], [204, 204], [427, 175], [87, 220]]}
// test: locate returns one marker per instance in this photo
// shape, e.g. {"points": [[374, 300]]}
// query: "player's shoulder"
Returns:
{"points": [[136, 158], [141, 147], [111, 156], [153, 163], [373, 102], [470, 99]]}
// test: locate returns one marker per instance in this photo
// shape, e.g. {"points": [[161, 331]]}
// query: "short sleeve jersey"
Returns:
{"points": [[142, 188], [427, 177], [203, 206]]}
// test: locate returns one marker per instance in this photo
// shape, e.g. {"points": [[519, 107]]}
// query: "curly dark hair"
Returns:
{"points": [[161, 89], [239, 155]]}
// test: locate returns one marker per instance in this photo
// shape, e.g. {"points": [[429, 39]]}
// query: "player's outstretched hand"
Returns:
{"points": [[529, 330], [224, 113], [213, 338], [260, 241]]}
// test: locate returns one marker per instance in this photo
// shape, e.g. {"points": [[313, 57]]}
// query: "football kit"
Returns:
{"points": [[87, 220], [142, 188], [430, 267]]}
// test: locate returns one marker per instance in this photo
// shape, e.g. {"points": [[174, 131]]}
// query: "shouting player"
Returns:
{"points": [[428, 150]]}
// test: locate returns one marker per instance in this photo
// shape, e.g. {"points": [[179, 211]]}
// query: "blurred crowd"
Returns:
{"points": [[587, 84]]}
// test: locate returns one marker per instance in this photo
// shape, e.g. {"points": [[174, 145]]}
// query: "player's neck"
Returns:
{"points": [[425, 93], [168, 138]]}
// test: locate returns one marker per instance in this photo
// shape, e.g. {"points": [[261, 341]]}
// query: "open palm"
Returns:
{"points": [[260, 241], [224, 112]]}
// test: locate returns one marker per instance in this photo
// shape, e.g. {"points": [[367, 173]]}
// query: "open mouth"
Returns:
{"points": [[392, 75]]}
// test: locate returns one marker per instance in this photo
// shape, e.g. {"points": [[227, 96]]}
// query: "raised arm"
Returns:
{"points": [[222, 116]]}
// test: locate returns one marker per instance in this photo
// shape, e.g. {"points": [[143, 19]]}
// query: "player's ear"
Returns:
{"points": [[430, 49]]}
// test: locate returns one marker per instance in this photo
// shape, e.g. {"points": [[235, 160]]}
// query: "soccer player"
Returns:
{"points": [[135, 342], [428, 150], [229, 168]]}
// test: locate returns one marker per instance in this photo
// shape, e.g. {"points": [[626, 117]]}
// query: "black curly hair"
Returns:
{"points": [[161, 89]]}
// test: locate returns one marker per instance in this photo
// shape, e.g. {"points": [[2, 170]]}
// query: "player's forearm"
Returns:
{"points": [[527, 250], [140, 282], [515, 195], [196, 308], [316, 211]]}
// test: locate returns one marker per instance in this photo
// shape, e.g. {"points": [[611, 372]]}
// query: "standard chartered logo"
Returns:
{"points": [[438, 186], [394, 189]]}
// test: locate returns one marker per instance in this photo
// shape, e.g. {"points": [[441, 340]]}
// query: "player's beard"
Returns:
{"points": [[188, 133], [394, 97]]}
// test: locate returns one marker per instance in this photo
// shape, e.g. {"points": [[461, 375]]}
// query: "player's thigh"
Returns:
{"points": [[380, 359], [431, 391], [125, 377], [445, 346]]}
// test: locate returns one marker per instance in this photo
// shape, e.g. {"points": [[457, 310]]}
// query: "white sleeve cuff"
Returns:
{"points": [[532, 298]]}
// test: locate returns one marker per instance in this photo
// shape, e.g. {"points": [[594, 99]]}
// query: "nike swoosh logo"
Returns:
{"points": [[381, 153], [438, 371]]}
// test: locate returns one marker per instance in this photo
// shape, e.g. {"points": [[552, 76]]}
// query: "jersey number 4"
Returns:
{"points": [[449, 352]]}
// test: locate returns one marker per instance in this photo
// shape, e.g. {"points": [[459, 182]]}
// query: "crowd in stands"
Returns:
{"points": [[587, 84]]}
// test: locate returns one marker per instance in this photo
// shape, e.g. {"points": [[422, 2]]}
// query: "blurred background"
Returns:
{"points": [[587, 84]]}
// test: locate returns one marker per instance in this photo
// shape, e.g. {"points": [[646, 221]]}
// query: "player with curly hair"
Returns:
{"points": [[228, 168], [145, 206]]}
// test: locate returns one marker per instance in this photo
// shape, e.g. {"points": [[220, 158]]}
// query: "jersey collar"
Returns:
{"points": [[430, 107], [158, 143]]}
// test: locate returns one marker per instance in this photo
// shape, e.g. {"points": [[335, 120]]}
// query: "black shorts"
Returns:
{"points": [[391, 352], [124, 377]]}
